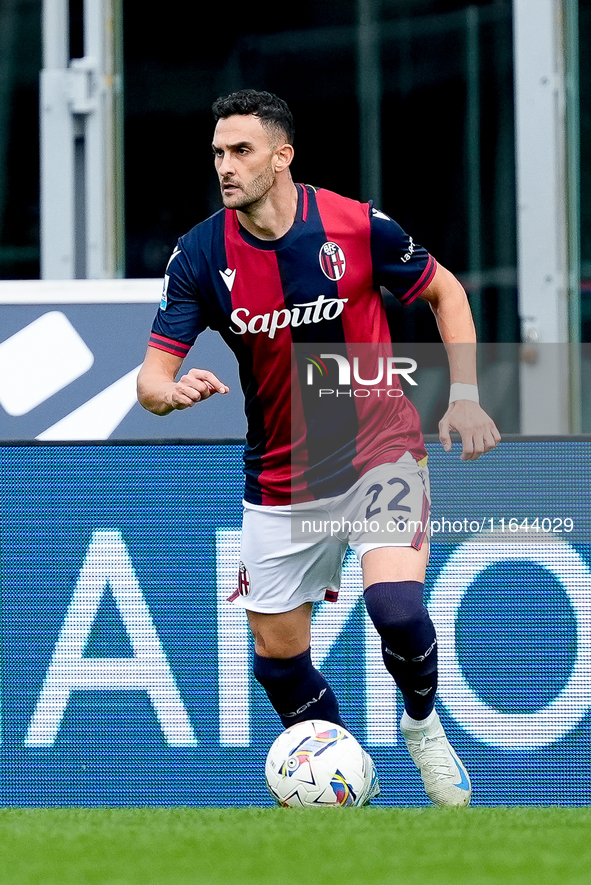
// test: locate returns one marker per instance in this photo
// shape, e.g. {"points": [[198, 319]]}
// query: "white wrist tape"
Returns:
{"points": [[463, 391]]}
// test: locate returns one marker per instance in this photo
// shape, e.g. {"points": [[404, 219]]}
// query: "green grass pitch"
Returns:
{"points": [[272, 846]]}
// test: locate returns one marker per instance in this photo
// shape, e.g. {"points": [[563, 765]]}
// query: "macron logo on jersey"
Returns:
{"points": [[411, 244], [228, 276], [300, 315], [176, 252]]}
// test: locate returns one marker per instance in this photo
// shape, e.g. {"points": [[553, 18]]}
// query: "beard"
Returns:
{"points": [[246, 196]]}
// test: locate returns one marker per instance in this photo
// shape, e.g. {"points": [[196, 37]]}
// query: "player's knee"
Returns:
{"points": [[283, 635], [400, 616], [396, 605]]}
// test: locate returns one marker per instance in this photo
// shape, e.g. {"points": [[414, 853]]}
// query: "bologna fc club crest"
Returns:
{"points": [[243, 580], [332, 261]]}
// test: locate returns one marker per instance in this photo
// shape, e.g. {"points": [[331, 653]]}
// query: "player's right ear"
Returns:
{"points": [[284, 156]]}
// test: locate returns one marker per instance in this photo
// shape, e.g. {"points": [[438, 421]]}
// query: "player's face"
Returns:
{"points": [[244, 160]]}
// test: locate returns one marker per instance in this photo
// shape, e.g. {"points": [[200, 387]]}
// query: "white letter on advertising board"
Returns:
{"points": [[107, 564]]}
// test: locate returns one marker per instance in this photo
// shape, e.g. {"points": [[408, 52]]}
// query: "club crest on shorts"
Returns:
{"points": [[243, 580], [332, 261]]}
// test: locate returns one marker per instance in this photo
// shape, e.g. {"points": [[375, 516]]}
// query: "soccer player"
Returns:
{"points": [[281, 266]]}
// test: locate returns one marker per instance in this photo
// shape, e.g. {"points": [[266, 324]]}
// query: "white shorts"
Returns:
{"points": [[294, 554]]}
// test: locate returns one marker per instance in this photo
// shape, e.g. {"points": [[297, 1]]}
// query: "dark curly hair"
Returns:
{"points": [[271, 110]]}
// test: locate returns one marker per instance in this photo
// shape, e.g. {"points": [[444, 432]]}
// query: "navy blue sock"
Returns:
{"points": [[296, 689], [409, 645]]}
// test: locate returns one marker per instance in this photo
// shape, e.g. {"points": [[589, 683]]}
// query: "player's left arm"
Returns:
{"points": [[449, 303]]}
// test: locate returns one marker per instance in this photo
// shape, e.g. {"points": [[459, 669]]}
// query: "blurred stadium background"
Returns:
{"points": [[467, 122], [470, 123]]}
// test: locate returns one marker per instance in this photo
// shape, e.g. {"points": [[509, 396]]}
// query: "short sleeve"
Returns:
{"points": [[181, 315], [399, 264]]}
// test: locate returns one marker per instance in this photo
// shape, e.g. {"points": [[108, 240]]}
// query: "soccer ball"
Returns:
{"points": [[317, 763]]}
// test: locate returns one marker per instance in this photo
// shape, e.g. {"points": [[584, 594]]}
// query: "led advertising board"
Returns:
{"points": [[126, 673]]}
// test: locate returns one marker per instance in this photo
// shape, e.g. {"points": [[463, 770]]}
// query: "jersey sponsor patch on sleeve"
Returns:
{"points": [[164, 296]]}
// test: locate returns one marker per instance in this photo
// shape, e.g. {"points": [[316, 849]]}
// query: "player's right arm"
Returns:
{"points": [[179, 320], [160, 393]]}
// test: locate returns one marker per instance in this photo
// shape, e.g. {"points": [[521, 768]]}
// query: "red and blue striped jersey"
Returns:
{"points": [[297, 311]]}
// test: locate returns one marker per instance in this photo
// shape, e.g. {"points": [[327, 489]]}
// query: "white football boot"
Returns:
{"points": [[444, 776]]}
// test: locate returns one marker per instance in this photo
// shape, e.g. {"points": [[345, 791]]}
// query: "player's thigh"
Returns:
{"points": [[281, 635], [386, 564]]}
